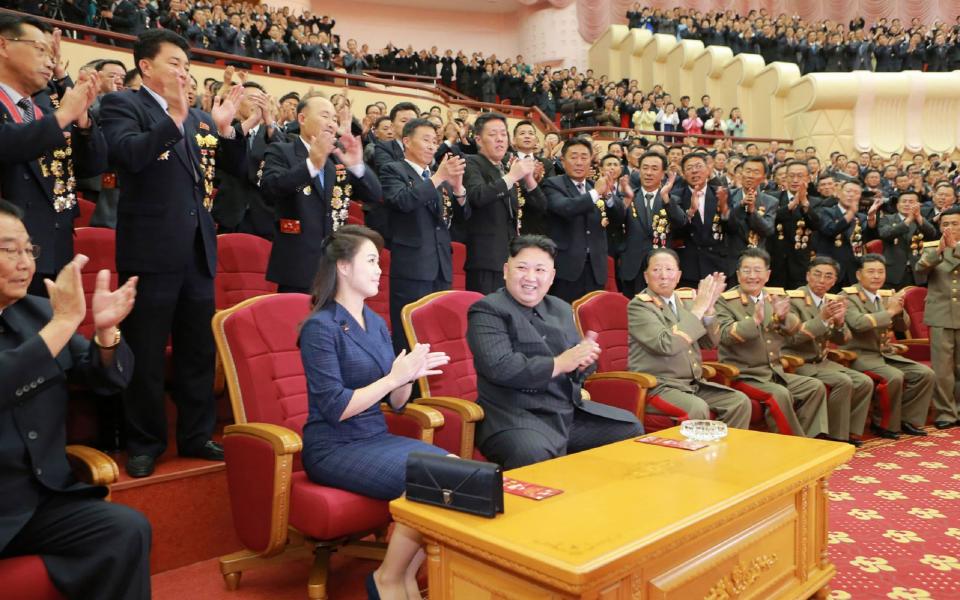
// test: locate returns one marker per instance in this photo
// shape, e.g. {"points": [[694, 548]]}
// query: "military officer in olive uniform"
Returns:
{"points": [[665, 339], [939, 267], [755, 322], [822, 316], [903, 235], [872, 315]]}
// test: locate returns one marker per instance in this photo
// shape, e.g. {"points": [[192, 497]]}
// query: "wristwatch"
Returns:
{"points": [[116, 341]]}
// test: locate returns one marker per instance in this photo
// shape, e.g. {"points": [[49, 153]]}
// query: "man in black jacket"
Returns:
{"points": [[90, 548]]}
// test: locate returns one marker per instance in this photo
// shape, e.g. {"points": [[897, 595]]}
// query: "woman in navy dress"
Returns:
{"points": [[351, 368]]}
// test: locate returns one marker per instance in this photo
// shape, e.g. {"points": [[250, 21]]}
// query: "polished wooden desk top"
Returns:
{"points": [[626, 499]]}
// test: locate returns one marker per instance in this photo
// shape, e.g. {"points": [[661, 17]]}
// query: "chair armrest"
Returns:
{"points": [[897, 348], [790, 362], [621, 389], [916, 348], [708, 372], [724, 373], [259, 465], [844, 357], [92, 466], [415, 421], [460, 418]]}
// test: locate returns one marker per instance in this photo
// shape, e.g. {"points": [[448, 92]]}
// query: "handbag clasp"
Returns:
{"points": [[447, 496]]}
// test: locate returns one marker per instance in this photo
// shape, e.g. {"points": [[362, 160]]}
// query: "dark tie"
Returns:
{"points": [[26, 108], [425, 174], [319, 180], [876, 302], [582, 187], [648, 199]]}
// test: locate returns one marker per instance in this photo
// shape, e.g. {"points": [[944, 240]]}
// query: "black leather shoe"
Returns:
{"points": [[944, 424], [141, 465], [885, 433], [909, 429], [854, 443], [209, 451]]}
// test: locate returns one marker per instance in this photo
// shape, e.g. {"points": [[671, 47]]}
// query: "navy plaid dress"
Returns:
{"points": [[357, 454]]}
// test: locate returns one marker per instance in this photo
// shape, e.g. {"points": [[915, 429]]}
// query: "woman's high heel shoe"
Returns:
{"points": [[372, 593]]}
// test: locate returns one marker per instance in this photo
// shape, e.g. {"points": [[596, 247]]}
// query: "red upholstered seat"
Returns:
{"points": [[25, 578], [269, 492], [87, 209], [611, 285], [241, 268], [918, 342], [380, 303], [459, 260], [875, 246], [100, 245]]}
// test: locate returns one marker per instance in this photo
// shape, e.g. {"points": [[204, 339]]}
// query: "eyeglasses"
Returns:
{"points": [[43, 48], [31, 252], [757, 271]]}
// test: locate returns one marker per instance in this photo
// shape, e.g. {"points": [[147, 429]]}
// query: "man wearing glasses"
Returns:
{"points": [[755, 323], [43, 151], [822, 317]]}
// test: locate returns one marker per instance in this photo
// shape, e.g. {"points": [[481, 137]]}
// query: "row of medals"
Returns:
{"points": [[64, 195]]}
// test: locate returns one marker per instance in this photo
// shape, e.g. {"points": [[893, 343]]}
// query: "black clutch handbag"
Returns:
{"points": [[469, 486]]}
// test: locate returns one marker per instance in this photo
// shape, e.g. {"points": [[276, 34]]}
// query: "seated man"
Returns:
{"points": [[822, 317], [530, 367], [755, 322], [665, 341], [91, 548], [872, 320]]}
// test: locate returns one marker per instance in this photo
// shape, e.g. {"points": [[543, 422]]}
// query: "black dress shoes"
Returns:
{"points": [[854, 443], [141, 465], [944, 424], [211, 450], [909, 429], [885, 433]]}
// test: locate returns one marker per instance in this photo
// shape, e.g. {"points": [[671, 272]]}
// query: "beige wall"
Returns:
{"points": [[849, 112]]}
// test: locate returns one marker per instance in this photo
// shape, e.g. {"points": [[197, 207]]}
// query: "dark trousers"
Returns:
{"points": [[292, 289], [483, 281], [581, 286], [632, 287], [403, 292], [180, 305], [520, 447], [92, 549]]}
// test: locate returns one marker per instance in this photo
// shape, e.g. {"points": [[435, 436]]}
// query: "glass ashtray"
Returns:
{"points": [[703, 430]]}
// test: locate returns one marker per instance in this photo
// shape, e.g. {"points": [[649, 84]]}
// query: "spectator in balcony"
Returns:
{"points": [[692, 123], [201, 34], [609, 117], [645, 119], [273, 47], [353, 61], [860, 51], [669, 120], [735, 125], [488, 84]]}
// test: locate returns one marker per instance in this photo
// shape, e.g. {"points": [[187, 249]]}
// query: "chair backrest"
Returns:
{"points": [[611, 285], [459, 260], [914, 301], [100, 245], [355, 214], [380, 303], [875, 246], [606, 314], [241, 268], [257, 342], [440, 319], [87, 209]]}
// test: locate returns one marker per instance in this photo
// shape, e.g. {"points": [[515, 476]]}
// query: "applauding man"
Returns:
{"points": [[665, 340], [166, 154], [90, 548], [421, 210]]}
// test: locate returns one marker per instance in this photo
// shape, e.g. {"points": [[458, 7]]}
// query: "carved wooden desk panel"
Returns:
{"points": [[744, 518]]}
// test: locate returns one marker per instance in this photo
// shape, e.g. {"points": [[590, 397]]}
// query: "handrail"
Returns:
{"points": [[671, 134], [401, 76]]}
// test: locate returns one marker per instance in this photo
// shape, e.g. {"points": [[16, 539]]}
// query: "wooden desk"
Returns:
{"points": [[744, 518]]}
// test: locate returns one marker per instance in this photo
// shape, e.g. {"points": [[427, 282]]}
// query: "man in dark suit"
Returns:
{"points": [[700, 218], [388, 151], [310, 181], [421, 211], [240, 206], [903, 236], [753, 210], [164, 153], [525, 143], [530, 365], [492, 194], [646, 223], [844, 231], [36, 171], [797, 218], [90, 548]]}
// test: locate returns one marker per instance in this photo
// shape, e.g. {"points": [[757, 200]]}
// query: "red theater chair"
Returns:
{"points": [[100, 245], [918, 340], [380, 303], [875, 246], [277, 512], [611, 285], [355, 214], [87, 209], [459, 260], [241, 268], [25, 577]]}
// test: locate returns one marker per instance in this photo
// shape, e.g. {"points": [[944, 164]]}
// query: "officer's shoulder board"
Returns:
{"points": [[885, 293], [684, 294], [644, 297], [851, 290], [776, 291], [931, 244], [730, 295], [832, 296], [796, 294]]}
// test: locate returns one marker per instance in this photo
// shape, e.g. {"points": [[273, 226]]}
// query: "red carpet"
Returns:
{"points": [[895, 520]]}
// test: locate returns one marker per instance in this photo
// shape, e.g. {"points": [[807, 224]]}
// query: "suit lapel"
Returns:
{"points": [[155, 113], [359, 336], [45, 182]]}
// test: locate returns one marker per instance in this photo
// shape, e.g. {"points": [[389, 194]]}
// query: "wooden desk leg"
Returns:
{"points": [[823, 593], [434, 570]]}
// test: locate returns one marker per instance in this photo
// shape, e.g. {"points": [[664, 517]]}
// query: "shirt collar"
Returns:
{"points": [[15, 96], [418, 168], [758, 297], [160, 99], [816, 299], [870, 296]]}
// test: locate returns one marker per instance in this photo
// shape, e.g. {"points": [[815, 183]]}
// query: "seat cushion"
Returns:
{"points": [[326, 513], [25, 578]]}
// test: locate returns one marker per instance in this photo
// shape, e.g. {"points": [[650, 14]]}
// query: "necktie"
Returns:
{"points": [[648, 200], [673, 307], [876, 302], [701, 199], [26, 107], [425, 174], [582, 187], [319, 180]]}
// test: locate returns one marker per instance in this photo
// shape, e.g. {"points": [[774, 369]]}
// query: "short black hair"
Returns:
{"points": [[100, 64], [413, 124], [379, 121], [657, 155], [797, 163], [521, 124], [485, 118], [148, 44], [908, 193], [130, 76], [290, 96], [754, 253], [12, 24], [608, 155], [576, 141], [691, 156], [658, 252], [756, 159], [254, 85], [10, 209], [528, 240], [869, 258], [953, 210], [402, 106], [822, 260]]}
